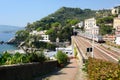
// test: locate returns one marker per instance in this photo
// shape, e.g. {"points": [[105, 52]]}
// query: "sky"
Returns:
{"points": [[20, 12]]}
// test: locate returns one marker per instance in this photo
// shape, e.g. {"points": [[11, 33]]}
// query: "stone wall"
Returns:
{"points": [[26, 71]]}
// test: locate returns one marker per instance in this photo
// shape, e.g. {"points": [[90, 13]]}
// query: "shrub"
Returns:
{"points": [[37, 57], [6, 56], [17, 58], [61, 57], [102, 70], [118, 46], [44, 45], [75, 52]]}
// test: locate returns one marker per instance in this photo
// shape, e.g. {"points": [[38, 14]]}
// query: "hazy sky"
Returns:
{"points": [[20, 12]]}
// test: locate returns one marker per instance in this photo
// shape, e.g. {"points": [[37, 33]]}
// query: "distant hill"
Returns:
{"points": [[7, 28], [65, 14], [62, 15], [59, 23]]}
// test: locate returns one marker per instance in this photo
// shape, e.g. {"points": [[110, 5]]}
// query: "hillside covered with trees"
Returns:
{"points": [[59, 23]]}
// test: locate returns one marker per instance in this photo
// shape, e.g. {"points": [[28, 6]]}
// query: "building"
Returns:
{"points": [[117, 33], [116, 22], [38, 32], [67, 50], [109, 37], [80, 25], [116, 26], [89, 23], [45, 38], [50, 54], [117, 40], [95, 30], [115, 10], [90, 26]]}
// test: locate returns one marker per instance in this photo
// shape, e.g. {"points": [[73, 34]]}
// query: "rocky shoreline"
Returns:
{"points": [[11, 41], [2, 42]]}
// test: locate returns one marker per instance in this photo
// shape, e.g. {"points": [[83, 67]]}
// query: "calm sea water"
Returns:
{"points": [[5, 36]]}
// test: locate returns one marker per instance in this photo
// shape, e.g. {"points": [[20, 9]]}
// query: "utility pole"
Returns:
{"points": [[73, 30], [92, 54]]}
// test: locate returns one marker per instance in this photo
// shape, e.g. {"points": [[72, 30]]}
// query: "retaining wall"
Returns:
{"points": [[26, 71]]}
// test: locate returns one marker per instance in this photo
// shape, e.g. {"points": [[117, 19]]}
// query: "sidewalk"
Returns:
{"points": [[67, 73], [81, 75]]}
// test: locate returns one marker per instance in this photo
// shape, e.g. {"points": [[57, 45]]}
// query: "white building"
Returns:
{"points": [[45, 38], [89, 23], [116, 26], [81, 24], [38, 32], [90, 26], [51, 54], [67, 50], [95, 30], [115, 10], [117, 40]]}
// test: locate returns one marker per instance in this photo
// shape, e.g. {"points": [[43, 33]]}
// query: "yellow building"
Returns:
{"points": [[116, 23]]}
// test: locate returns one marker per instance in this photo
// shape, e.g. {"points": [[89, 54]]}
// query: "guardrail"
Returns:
{"points": [[82, 54]]}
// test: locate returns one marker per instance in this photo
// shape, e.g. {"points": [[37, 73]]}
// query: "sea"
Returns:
{"points": [[6, 33]]}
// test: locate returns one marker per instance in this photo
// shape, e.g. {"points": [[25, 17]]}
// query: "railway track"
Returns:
{"points": [[100, 52]]}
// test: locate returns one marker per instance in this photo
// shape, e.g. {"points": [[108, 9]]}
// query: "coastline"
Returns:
{"points": [[7, 36], [7, 47]]}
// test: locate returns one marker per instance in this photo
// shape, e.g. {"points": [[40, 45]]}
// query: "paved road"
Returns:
{"points": [[71, 72]]}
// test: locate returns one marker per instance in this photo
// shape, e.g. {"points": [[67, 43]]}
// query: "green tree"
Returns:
{"points": [[21, 35], [37, 57], [65, 34], [74, 21], [61, 57], [5, 57], [52, 34], [105, 29], [105, 20], [39, 28], [56, 24]]}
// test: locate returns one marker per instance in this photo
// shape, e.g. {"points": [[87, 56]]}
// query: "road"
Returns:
{"points": [[100, 52]]}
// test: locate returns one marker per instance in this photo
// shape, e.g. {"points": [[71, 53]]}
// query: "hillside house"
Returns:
{"points": [[90, 26], [45, 38]]}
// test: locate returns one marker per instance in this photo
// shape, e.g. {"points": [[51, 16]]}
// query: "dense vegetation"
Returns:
{"points": [[105, 24], [59, 24], [61, 57], [32, 41], [102, 70], [75, 52], [62, 16], [43, 45], [21, 35], [17, 58]]}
